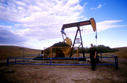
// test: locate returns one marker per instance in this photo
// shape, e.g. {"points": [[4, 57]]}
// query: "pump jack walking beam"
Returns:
{"points": [[76, 24]]}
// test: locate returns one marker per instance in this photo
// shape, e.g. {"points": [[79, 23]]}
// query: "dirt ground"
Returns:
{"points": [[62, 74]]}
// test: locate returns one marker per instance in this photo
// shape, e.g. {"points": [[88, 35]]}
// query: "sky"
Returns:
{"points": [[37, 23]]}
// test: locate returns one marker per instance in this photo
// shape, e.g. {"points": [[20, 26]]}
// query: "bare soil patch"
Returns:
{"points": [[63, 74]]}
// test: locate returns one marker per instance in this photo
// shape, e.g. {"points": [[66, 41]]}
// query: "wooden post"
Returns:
{"points": [[51, 52], [15, 60], [50, 55], [116, 62], [7, 61], [78, 52]]}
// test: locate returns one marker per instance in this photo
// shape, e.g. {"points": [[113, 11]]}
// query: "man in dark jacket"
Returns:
{"points": [[93, 57]]}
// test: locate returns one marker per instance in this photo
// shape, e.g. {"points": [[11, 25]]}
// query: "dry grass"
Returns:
{"points": [[61, 74], [122, 53], [6, 51]]}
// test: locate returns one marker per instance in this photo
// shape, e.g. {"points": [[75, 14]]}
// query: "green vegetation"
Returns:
{"points": [[56, 48], [121, 52], [99, 49], [60, 44]]}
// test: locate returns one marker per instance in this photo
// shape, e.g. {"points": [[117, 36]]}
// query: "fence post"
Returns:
{"points": [[116, 62], [51, 53], [15, 60], [50, 61], [7, 61]]}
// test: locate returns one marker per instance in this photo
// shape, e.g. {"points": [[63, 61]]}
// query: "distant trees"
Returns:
{"points": [[99, 49], [57, 48], [104, 49]]}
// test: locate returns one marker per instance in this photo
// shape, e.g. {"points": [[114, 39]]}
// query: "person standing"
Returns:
{"points": [[93, 57]]}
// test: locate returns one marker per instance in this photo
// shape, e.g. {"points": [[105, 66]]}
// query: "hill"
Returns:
{"points": [[122, 52], [6, 51]]}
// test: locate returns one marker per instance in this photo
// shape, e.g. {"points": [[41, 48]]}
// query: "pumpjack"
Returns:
{"points": [[68, 41]]}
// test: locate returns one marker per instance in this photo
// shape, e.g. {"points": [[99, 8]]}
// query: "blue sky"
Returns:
{"points": [[37, 23]]}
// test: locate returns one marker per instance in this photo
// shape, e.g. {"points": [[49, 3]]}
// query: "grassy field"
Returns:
{"points": [[60, 74], [122, 52], [6, 51]]}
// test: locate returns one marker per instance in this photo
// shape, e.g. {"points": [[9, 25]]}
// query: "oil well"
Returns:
{"points": [[65, 53], [67, 50]]}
